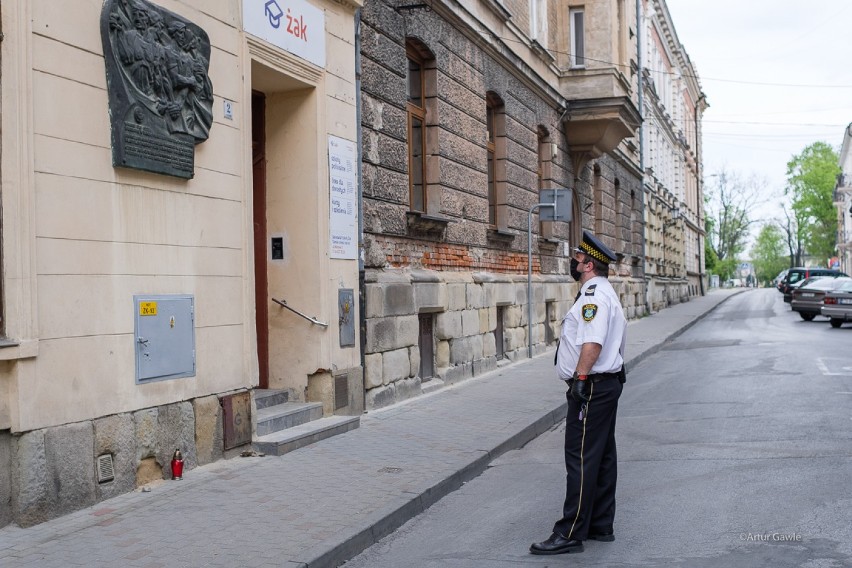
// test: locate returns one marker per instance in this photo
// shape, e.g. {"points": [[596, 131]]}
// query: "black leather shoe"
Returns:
{"points": [[556, 544], [602, 536]]}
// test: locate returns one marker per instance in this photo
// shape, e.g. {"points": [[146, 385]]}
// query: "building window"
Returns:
{"points": [[597, 196], [426, 344], [578, 40], [492, 181], [538, 21], [546, 152], [495, 141], [416, 81]]}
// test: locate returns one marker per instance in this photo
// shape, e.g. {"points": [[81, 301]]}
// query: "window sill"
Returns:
{"points": [[11, 349], [542, 51], [426, 223], [501, 235]]}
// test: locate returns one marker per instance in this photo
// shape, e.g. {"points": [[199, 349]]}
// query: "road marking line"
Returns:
{"points": [[824, 368]]}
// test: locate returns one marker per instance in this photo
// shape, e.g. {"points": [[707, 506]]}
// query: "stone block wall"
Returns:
{"points": [[52, 471], [464, 310], [461, 76]]}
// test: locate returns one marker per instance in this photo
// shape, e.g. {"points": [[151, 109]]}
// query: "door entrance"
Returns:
{"points": [[261, 280]]}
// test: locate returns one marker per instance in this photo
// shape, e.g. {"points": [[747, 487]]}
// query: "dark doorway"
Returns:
{"points": [[261, 285], [498, 333]]}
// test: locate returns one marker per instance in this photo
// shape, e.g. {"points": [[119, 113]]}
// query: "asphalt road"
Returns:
{"points": [[735, 449]]}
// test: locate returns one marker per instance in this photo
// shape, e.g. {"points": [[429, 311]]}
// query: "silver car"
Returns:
{"points": [[807, 298], [837, 305]]}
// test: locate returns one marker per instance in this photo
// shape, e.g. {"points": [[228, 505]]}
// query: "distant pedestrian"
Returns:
{"points": [[590, 358]]}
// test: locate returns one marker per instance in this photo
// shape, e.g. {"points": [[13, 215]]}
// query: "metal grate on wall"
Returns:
{"points": [[105, 468], [341, 391]]}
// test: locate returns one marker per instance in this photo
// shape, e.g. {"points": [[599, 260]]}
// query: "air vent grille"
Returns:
{"points": [[106, 471]]}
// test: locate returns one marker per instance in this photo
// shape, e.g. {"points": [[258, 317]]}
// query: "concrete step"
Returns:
{"points": [[264, 398], [279, 443], [281, 416]]}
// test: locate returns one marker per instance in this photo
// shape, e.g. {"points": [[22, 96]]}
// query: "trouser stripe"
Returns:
{"points": [[582, 468]]}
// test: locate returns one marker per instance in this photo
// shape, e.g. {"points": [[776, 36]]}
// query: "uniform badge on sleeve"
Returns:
{"points": [[589, 312]]}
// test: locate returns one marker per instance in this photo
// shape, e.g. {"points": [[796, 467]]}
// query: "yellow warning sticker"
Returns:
{"points": [[147, 308]]}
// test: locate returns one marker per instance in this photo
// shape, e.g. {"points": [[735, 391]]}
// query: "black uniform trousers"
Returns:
{"points": [[590, 463]]}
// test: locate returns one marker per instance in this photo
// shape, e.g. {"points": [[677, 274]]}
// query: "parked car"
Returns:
{"points": [[780, 278], [837, 304], [797, 274], [807, 298]]}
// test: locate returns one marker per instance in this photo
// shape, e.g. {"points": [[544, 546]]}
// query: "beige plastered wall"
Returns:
{"points": [[304, 106], [80, 237]]}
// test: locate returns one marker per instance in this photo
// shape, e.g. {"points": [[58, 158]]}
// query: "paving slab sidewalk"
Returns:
{"points": [[323, 504]]}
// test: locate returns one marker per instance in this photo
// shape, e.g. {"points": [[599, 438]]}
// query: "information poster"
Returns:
{"points": [[343, 209]]}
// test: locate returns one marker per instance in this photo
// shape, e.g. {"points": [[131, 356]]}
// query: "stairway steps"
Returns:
{"points": [[295, 437], [270, 397], [282, 416]]}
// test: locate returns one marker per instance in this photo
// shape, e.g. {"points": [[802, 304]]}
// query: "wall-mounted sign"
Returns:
{"points": [[293, 25], [343, 206]]}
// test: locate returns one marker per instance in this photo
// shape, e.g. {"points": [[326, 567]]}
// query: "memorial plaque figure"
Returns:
{"points": [[160, 95]]}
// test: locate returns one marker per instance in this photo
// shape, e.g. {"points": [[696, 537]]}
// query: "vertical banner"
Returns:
{"points": [[343, 207]]}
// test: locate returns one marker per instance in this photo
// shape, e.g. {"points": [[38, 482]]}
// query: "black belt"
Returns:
{"points": [[597, 377]]}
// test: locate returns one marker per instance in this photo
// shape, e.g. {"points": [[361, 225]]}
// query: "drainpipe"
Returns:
{"points": [[362, 296], [640, 86]]}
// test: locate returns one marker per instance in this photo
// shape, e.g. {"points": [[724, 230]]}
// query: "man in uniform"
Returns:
{"points": [[590, 358]]}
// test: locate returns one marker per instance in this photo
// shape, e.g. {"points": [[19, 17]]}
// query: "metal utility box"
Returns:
{"points": [[346, 318], [165, 337]]}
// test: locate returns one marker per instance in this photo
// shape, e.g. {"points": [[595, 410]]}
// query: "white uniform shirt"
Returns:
{"points": [[596, 317]]}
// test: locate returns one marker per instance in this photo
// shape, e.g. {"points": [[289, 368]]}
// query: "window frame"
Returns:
{"points": [[414, 113], [577, 50], [491, 153], [538, 21], [495, 165]]}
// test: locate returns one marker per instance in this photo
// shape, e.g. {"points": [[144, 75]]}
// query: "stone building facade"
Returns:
{"points": [[469, 109], [674, 212], [843, 202], [83, 415]]}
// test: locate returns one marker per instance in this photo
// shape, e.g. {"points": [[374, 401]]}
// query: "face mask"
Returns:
{"points": [[575, 274]]}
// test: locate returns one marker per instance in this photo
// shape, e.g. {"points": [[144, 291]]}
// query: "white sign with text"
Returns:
{"points": [[293, 25], [343, 205]]}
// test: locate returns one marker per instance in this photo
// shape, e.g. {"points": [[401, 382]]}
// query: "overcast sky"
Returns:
{"points": [[777, 75]]}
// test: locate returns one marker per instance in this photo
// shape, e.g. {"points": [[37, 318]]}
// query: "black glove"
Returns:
{"points": [[580, 390]]}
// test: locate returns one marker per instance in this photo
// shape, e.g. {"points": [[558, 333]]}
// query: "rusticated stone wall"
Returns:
{"points": [[51, 471], [456, 266], [464, 308]]}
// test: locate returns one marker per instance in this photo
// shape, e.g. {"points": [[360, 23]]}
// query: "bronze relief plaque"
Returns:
{"points": [[160, 94]]}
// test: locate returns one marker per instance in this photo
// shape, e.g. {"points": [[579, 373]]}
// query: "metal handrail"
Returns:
{"points": [[283, 304]]}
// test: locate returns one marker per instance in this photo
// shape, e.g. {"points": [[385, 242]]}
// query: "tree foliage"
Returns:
{"points": [[811, 177], [769, 253], [731, 201]]}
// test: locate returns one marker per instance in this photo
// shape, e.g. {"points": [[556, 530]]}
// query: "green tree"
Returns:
{"points": [[769, 253], [811, 177], [730, 202]]}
